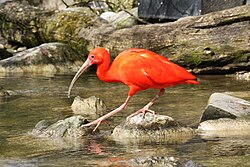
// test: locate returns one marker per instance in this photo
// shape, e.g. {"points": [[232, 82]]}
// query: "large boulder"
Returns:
{"points": [[46, 58], [225, 115], [31, 26], [151, 128], [221, 105], [21, 23]]}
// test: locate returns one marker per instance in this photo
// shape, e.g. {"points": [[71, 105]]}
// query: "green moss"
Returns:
{"points": [[196, 57], [242, 55]]}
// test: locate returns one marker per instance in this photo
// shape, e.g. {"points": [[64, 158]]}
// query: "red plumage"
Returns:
{"points": [[140, 69]]}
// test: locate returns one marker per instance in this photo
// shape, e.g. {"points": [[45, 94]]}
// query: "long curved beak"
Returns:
{"points": [[86, 64]]}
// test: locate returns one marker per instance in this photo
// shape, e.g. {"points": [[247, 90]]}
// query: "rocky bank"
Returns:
{"points": [[215, 43]]}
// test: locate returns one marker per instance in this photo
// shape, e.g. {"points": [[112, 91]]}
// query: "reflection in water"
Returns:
{"points": [[35, 98]]}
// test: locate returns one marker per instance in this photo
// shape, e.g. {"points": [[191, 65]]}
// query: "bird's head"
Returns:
{"points": [[96, 56]]}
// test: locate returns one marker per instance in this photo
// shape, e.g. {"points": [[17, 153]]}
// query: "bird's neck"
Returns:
{"points": [[103, 70]]}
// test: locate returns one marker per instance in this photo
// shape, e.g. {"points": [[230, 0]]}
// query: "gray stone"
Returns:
{"points": [[155, 161], [243, 75], [151, 128], [20, 49], [69, 128], [221, 105], [124, 19], [225, 124], [108, 16], [164, 161], [55, 4], [46, 58], [89, 106]]}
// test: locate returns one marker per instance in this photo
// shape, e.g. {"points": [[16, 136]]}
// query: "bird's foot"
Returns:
{"points": [[143, 110], [97, 122]]}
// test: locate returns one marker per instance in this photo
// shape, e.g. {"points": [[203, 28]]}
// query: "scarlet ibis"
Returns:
{"points": [[139, 69]]}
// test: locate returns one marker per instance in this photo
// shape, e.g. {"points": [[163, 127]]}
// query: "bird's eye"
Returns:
{"points": [[92, 56]]}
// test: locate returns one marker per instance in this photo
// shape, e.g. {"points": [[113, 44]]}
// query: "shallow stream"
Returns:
{"points": [[35, 98]]}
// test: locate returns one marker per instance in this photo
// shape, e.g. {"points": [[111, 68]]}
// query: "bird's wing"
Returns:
{"points": [[148, 69]]}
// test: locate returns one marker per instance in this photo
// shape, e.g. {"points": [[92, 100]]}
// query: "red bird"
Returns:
{"points": [[139, 69]]}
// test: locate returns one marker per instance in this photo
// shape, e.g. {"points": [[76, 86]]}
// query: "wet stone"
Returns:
{"points": [[164, 161], [90, 106], [69, 128], [243, 75], [152, 128], [226, 124], [221, 105]]}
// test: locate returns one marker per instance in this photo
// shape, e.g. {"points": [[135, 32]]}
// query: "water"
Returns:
{"points": [[35, 98]]}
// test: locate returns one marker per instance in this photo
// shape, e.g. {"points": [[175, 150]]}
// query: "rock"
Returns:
{"points": [[226, 124], [192, 42], [65, 26], [15, 19], [221, 105], [158, 161], [164, 161], [3, 92], [20, 49], [108, 16], [69, 128], [124, 19], [225, 115], [150, 128], [197, 42], [55, 4], [90, 106], [46, 58], [243, 75], [128, 4]]}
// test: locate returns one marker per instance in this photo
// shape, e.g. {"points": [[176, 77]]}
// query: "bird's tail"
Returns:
{"points": [[192, 81]]}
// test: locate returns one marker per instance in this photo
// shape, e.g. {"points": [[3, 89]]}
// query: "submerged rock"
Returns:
{"points": [[221, 105], [89, 106], [152, 128], [69, 128], [164, 161], [3, 92], [49, 58]]}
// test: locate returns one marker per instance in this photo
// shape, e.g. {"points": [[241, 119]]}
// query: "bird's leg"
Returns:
{"points": [[98, 121], [146, 108]]}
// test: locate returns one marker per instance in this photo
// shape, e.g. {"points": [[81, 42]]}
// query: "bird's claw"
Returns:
{"points": [[143, 110], [96, 122]]}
